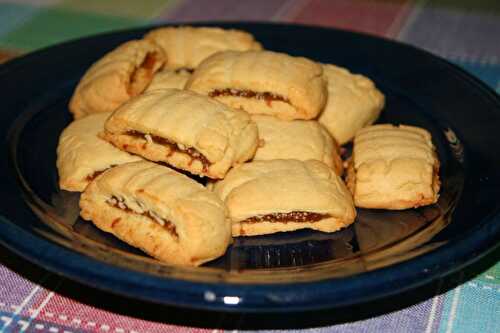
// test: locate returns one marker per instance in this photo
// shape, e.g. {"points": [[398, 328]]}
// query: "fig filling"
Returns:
{"points": [[267, 96], [192, 152], [142, 75], [167, 225], [292, 217], [97, 173], [94, 175]]}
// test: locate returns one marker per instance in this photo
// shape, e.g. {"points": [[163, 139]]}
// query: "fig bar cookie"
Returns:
{"points": [[167, 79], [264, 197], [263, 82], [115, 78], [353, 102], [186, 130], [82, 155], [297, 139], [393, 167], [164, 213], [186, 47]]}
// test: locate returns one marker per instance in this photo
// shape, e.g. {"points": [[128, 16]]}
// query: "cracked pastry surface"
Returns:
{"points": [[264, 197], [263, 82], [186, 47], [353, 103], [186, 130], [164, 213], [297, 139], [82, 155], [393, 167], [119, 75]]}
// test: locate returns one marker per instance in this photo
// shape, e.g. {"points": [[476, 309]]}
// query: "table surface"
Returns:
{"points": [[464, 32]]}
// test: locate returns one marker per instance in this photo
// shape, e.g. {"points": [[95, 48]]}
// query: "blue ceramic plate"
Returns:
{"points": [[383, 253]]}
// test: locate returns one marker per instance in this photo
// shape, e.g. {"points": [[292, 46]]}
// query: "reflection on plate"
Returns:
{"points": [[377, 239], [381, 253]]}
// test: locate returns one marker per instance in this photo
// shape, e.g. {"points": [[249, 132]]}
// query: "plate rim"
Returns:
{"points": [[274, 297]]}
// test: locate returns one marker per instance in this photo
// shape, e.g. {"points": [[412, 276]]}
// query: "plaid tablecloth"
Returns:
{"points": [[465, 32]]}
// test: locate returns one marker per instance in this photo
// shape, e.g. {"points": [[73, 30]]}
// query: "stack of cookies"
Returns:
{"points": [[263, 128]]}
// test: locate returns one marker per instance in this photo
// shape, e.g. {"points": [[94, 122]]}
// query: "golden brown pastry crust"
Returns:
{"points": [[298, 140], [186, 47], [166, 214], [168, 79], [263, 82], [260, 188], [116, 77], [393, 167], [184, 129], [353, 103], [81, 154]]}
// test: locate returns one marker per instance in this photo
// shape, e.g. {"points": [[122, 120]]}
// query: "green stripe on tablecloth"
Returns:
{"points": [[51, 26], [144, 9], [491, 276], [474, 305], [13, 15], [471, 307]]}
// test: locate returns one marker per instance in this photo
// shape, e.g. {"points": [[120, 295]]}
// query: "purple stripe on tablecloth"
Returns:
{"points": [[472, 307], [191, 10], [455, 33], [23, 315], [435, 315], [415, 318], [422, 317], [14, 289], [28, 325]]}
